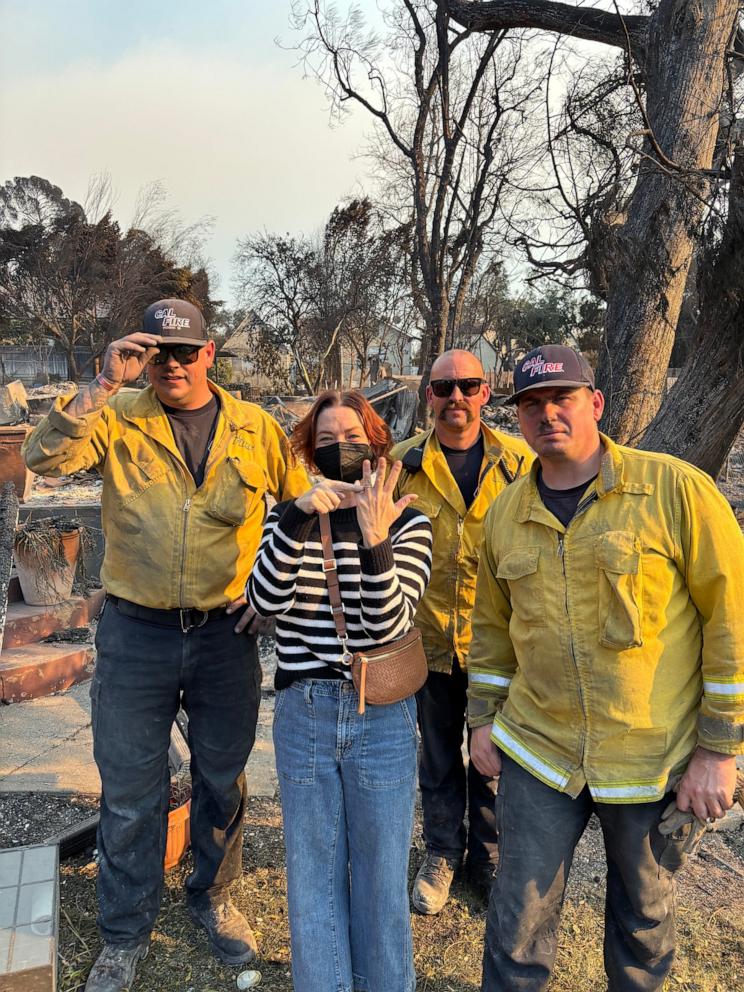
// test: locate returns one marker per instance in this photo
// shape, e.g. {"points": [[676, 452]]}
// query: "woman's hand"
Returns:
{"points": [[376, 510], [325, 496]]}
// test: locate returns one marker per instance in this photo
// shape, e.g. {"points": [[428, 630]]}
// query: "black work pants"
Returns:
{"points": [[539, 829], [447, 789], [143, 672]]}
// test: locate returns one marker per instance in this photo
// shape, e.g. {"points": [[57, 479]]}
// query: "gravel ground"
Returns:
{"points": [[31, 817]]}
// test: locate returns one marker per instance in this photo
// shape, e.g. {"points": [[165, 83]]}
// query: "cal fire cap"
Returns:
{"points": [[176, 322], [552, 365]]}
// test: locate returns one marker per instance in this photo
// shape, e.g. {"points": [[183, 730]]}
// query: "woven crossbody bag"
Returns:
{"points": [[381, 675]]}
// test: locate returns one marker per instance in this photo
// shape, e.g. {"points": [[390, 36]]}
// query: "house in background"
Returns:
{"points": [[239, 352]]}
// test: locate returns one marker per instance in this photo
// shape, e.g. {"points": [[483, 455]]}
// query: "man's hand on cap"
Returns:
{"points": [[126, 357]]}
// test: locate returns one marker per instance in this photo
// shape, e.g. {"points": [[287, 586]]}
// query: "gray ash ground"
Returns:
{"points": [[32, 817]]}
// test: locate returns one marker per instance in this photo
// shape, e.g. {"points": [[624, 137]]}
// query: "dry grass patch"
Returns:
{"points": [[448, 947]]}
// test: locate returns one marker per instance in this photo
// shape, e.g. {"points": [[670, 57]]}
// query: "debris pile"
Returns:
{"points": [[13, 404], [502, 417], [393, 399], [396, 403]]}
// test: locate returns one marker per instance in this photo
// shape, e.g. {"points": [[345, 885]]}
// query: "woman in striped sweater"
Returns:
{"points": [[347, 779]]}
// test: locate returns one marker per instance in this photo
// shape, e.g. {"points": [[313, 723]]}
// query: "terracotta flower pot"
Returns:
{"points": [[42, 585], [12, 466], [179, 835]]}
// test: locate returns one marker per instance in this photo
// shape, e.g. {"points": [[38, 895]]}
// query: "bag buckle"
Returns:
{"points": [[346, 656]]}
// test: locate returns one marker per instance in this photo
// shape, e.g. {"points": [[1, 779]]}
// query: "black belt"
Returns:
{"points": [[185, 619]]}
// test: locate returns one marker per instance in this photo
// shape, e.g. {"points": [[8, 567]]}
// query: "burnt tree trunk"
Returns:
{"points": [[702, 414], [685, 74]]}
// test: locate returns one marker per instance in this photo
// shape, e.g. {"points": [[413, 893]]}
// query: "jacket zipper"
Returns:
{"points": [[456, 573], [186, 508], [460, 528], [581, 508]]}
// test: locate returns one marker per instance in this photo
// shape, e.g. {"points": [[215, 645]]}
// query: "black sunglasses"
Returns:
{"points": [[184, 354], [445, 387]]}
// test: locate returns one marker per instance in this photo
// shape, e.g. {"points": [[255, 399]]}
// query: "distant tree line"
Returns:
{"points": [[350, 288], [69, 272]]}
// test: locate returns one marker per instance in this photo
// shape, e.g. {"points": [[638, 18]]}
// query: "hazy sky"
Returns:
{"points": [[196, 95]]}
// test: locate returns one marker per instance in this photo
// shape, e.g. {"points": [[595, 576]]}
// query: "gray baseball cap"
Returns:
{"points": [[176, 322], [552, 365]]}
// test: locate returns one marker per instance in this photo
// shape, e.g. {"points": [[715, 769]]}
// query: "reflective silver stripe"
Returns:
{"points": [[723, 688], [618, 792], [489, 679], [548, 773]]}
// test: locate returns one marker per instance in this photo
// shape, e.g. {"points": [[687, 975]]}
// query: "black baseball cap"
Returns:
{"points": [[176, 322], [551, 365]]}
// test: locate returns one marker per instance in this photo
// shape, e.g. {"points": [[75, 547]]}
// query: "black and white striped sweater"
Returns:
{"points": [[380, 587]]}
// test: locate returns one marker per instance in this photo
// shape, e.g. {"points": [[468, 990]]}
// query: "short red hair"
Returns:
{"points": [[305, 432]]}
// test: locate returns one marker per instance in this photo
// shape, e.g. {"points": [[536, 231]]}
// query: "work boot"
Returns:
{"points": [[115, 967], [229, 935], [480, 875], [432, 885]]}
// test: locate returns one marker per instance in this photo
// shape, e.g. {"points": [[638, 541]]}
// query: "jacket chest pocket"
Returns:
{"points": [[520, 570], [237, 488], [139, 466], [429, 508], [617, 556]]}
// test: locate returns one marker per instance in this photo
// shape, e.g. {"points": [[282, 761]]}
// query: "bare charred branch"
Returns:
{"points": [[583, 22]]}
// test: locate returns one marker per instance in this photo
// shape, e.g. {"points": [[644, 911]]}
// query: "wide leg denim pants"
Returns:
{"points": [[347, 786]]}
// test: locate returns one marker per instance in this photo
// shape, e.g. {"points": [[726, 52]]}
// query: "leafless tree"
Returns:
{"points": [[448, 107], [319, 294]]}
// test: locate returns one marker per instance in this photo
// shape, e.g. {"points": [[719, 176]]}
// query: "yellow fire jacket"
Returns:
{"points": [[443, 615], [169, 544], [609, 649]]}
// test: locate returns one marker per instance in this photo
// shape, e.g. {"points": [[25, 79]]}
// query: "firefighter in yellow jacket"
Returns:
{"points": [[456, 470], [186, 469], [607, 669]]}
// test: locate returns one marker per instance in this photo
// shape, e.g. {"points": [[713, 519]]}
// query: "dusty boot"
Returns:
{"points": [[115, 967], [229, 935], [432, 885], [480, 876]]}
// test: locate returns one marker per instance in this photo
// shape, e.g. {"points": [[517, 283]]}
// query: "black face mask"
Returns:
{"points": [[343, 460]]}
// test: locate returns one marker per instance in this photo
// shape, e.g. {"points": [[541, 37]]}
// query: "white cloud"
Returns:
{"points": [[249, 145]]}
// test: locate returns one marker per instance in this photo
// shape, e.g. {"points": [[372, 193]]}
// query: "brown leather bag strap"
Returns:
{"points": [[331, 576]]}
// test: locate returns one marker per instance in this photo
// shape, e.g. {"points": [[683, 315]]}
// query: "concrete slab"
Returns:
{"points": [[46, 745]]}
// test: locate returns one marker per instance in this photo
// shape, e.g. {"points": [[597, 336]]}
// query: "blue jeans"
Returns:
{"points": [[347, 788]]}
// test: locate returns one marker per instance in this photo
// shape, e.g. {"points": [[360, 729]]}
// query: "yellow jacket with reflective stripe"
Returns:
{"points": [[609, 649], [169, 544], [443, 615]]}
